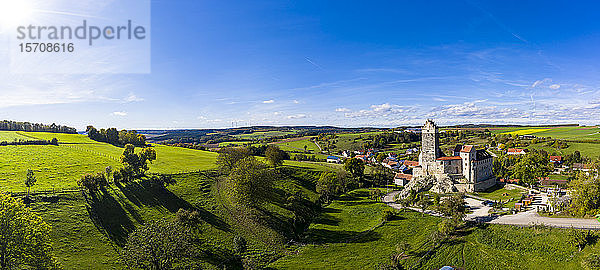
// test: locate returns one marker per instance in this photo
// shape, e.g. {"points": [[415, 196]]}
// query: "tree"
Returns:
{"points": [[158, 245], [136, 165], [276, 156], [250, 182], [423, 203], [585, 193], [305, 148], [25, 237], [579, 238], [239, 244], [453, 206], [188, 218], [328, 185], [380, 157], [355, 167], [228, 157], [90, 183], [30, 180], [531, 167], [108, 173]]}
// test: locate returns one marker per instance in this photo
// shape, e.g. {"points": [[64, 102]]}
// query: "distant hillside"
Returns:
{"points": [[210, 136]]}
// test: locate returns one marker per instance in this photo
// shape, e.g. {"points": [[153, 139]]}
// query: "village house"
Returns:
{"points": [[402, 179], [556, 160], [334, 159], [516, 151]]}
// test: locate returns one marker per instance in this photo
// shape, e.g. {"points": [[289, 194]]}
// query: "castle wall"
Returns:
{"points": [[483, 169], [453, 166]]}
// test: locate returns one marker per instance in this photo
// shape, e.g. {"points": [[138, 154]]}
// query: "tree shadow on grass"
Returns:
{"points": [[353, 203], [327, 219], [143, 194], [108, 216], [323, 236]]}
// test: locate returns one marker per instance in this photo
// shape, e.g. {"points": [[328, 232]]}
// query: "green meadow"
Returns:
{"points": [[11, 136], [569, 132], [349, 234], [263, 134], [59, 167]]}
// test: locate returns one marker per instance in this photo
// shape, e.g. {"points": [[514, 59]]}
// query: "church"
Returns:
{"points": [[467, 170]]}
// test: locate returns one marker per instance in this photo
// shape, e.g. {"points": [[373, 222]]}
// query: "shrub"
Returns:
{"points": [[389, 214], [188, 218], [239, 244], [591, 261]]}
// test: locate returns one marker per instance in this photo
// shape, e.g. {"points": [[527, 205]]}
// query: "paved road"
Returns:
{"points": [[480, 213]]}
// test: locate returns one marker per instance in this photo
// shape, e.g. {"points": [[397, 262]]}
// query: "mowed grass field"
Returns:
{"points": [[591, 150], [570, 132], [299, 145], [59, 167], [264, 134], [11, 136]]}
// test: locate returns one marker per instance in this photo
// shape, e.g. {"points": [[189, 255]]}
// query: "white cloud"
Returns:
{"points": [[297, 116], [554, 86], [119, 113], [133, 98], [473, 110], [296, 101], [342, 110], [382, 110], [538, 83], [268, 101]]}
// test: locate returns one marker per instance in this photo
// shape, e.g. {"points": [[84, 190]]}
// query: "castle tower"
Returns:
{"points": [[430, 142]]}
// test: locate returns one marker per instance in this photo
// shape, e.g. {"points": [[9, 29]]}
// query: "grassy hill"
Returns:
{"points": [[89, 234], [349, 235], [569, 132], [58, 167]]}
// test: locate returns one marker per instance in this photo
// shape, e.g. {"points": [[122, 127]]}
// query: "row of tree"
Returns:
{"points": [[34, 127], [115, 137], [528, 168], [54, 141]]}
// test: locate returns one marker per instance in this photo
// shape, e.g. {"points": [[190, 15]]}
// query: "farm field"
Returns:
{"points": [[264, 134], [526, 131], [59, 167], [343, 241], [234, 143], [10, 136], [591, 150], [569, 132], [298, 145]]}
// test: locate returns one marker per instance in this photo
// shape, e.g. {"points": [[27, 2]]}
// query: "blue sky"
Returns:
{"points": [[342, 63]]}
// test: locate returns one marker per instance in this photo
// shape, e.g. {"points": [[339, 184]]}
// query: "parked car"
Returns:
{"points": [[488, 203]]}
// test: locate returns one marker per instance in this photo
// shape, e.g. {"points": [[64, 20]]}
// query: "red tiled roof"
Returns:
{"points": [[449, 158], [404, 176], [411, 163], [514, 150], [581, 166], [466, 148], [509, 180], [555, 158], [547, 181]]}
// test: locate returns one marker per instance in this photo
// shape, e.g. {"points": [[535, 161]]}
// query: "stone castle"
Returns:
{"points": [[467, 170]]}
